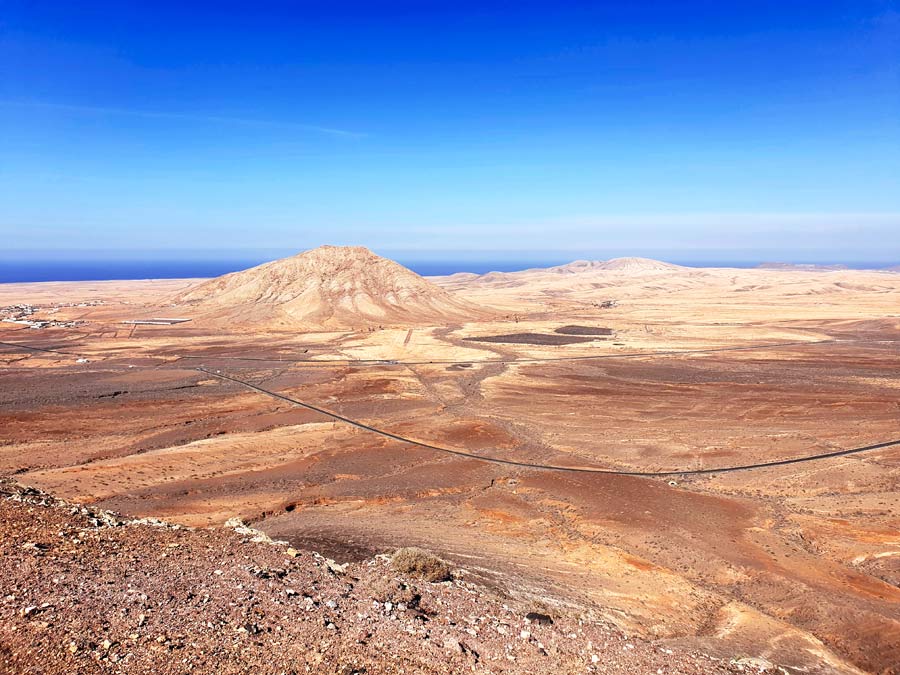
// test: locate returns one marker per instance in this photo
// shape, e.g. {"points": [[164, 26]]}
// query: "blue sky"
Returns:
{"points": [[682, 130]]}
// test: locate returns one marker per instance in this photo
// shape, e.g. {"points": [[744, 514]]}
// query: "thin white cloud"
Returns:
{"points": [[670, 231], [186, 117]]}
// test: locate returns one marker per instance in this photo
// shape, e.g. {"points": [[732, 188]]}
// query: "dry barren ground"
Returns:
{"points": [[705, 368]]}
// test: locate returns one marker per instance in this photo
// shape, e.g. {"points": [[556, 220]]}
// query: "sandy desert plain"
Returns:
{"points": [[628, 366]]}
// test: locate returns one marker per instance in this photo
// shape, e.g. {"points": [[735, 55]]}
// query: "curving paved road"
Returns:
{"points": [[546, 467]]}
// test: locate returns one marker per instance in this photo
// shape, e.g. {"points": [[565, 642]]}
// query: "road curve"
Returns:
{"points": [[547, 467]]}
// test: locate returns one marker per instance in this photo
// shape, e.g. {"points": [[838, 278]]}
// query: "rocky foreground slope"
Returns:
{"points": [[86, 592]]}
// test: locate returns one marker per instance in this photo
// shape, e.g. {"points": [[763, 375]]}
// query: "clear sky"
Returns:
{"points": [[683, 130]]}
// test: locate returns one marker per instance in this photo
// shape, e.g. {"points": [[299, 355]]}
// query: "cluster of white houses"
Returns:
{"points": [[24, 315]]}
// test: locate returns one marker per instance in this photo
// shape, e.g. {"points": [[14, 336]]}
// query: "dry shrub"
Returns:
{"points": [[391, 590], [416, 562]]}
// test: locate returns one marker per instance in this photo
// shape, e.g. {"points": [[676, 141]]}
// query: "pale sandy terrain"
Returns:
{"points": [[704, 368]]}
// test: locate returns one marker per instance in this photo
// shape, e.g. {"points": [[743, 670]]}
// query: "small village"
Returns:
{"points": [[25, 315]]}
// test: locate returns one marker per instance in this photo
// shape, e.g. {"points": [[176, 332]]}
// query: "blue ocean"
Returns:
{"points": [[97, 270], [13, 271]]}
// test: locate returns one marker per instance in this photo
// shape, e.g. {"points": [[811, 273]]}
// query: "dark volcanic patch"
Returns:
{"points": [[530, 339], [584, 330]]}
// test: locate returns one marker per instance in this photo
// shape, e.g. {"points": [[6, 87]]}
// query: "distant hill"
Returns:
{"points": [[330, 286], [628, 265], [801, 267]]}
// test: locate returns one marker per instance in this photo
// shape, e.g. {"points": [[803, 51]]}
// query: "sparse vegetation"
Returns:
{"points": [[394, 591], [417, 562]]}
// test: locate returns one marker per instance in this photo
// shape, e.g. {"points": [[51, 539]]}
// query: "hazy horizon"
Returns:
{"points": [[127, 266], [699, 257]]}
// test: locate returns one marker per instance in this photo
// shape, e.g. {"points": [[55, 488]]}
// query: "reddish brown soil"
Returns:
{"points": [[798, 564]]}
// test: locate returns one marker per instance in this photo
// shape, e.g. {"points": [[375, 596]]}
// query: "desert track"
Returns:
{"points": [[36, 349], [548, 467]]}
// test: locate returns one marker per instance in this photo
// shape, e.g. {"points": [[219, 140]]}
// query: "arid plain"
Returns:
{"points": [[627, 366]]}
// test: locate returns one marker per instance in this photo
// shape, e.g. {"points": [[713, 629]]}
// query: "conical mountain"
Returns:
{"points": [[326, 287], [635, 264]]}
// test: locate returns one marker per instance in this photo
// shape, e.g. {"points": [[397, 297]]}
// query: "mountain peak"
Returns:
{"points": [[330, 251], [328, 286], [636, 264]]}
